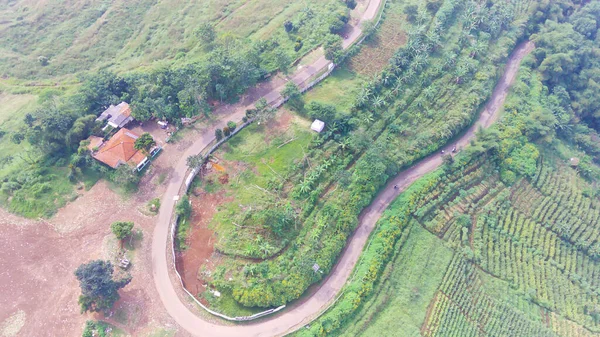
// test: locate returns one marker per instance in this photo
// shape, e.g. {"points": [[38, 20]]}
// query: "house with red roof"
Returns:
{"points": [[118, 150]]}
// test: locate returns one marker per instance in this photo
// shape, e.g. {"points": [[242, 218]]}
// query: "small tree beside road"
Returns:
{"points": [[292, 93], [334, 51], [194, 161]]}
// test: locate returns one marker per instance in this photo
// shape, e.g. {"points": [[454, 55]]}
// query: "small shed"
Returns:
{"points": [[317, 125], [574, 162]]}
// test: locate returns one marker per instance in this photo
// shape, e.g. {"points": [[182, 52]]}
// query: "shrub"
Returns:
{"points": [[183, 208], [121, 229], [226, 131], [231, 125], [288, 25], [219, 134]]}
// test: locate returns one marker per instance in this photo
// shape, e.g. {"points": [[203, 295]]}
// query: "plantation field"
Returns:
{"points": [[433, 87], [518, 211], [470, 262], [80, 35]]}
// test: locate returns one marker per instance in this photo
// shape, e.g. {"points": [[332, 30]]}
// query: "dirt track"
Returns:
{"points": [[303, 313]]}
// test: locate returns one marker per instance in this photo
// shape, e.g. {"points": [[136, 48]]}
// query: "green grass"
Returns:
{"points": [[338, 89], [401, 300], [262, 158], [50, 191], [79, 36], [227, 305]]}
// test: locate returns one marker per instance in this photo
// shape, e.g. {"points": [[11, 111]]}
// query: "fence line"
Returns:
{"points": [[236, 319], [194, 172]]}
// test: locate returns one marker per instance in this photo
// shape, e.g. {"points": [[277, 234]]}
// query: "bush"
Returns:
{"points": [[289, 26], [231, 125], [121, 229], [183, 208]]}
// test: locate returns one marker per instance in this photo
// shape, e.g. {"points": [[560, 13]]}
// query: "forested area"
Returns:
{"points": [[433, 88], [53, 158], [518, 214]]}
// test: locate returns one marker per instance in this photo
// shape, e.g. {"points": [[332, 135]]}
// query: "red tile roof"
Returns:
{"points": [[120, 149]]}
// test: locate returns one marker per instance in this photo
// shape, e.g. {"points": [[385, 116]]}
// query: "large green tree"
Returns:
{"points": [[99, 291]]}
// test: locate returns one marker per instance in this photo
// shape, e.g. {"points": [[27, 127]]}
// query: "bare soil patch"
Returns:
{"points": [[38, 259], [197, 261]]}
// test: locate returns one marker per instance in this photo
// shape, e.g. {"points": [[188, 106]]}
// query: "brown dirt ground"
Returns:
{"points": [[201, 239], [374, 56], [38, 258]]}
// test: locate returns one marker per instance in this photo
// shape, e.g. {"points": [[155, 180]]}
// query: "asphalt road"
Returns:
{"points": [[301, 314]]}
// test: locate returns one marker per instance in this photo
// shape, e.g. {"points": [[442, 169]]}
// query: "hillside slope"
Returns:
{"points": [[81, 35]]}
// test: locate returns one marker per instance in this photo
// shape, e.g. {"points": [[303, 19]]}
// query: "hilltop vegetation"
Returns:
{"points": [[56, 38], [503, 240]]}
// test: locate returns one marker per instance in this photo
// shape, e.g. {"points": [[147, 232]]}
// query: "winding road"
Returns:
{"points": [[301, 314]]}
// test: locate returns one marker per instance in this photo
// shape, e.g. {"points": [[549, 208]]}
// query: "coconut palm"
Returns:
{"points": [[378, 102]]}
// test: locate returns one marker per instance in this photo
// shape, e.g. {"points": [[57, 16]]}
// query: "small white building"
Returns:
{"points": [[317, 126]]}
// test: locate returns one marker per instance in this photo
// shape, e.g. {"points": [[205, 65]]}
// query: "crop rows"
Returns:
{"points": [[566, 328], [448, 190], [462, 307], [555, 201], [545, 271]]}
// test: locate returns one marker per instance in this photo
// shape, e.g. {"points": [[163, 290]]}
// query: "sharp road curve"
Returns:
{"points": [[298, 315]]}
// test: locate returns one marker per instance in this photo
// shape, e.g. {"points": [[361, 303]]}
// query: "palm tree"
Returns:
{"points": [[430, 92], [344, 144], [265, 248], [305, 186], [397, 88], [378, 102]]}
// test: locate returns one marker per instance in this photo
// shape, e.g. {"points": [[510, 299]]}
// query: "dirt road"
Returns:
{"points": [[303, 313]]}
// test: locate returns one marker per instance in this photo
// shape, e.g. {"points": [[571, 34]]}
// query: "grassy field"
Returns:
{"points": [[250, 163], [78, 35], [338, 89], [401, 300]]}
